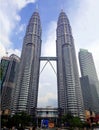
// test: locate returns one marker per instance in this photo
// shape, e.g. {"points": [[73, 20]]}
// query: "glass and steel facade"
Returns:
{"points": [[4, 66], [88, 70], [9, 82], [69, 89], [26, 91], [87, 97]]}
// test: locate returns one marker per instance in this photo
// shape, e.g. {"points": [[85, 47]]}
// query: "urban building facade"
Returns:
{"points": [[69, 89], [89, 81], [9, 82], [48, 113], [87, 97], [3, 68], [26, 92]]}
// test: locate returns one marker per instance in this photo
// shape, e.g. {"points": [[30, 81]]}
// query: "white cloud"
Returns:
{"points": [[9, 18], [21, 29], [49, 44], [48, 99], [22, 3], [14, 51], [48, 80], [47, 86], [2, 50]]}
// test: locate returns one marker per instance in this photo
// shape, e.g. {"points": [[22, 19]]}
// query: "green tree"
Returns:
{"points": [[21, 119], [4, 120], [71, 121], [76, 122], [66, 118]]}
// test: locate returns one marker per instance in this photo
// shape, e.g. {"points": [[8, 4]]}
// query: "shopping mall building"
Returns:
{"points": [[47, 115]]}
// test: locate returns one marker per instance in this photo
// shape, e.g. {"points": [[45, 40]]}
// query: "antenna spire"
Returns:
{"points": [[61, 7], [37, 7], [61, 10]]}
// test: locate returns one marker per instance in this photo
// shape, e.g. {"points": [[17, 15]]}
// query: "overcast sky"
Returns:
{"points": [[84, 19]]}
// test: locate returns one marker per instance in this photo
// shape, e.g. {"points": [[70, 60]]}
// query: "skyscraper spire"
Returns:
{"points": [[26, 92], [62, 7], [69, 89], [36, 7], [61, 10]]}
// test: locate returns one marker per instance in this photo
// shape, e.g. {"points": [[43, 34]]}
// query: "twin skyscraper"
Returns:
{"points": [[68, 83]]}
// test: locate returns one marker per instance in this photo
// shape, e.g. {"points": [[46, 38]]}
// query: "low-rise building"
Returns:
{"points": [[49, 113]]}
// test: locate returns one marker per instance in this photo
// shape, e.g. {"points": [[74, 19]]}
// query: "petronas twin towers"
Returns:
{"points": [[68, 84]]}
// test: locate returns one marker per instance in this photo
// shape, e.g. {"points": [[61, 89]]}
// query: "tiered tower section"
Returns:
{"points": [[69, 89], [26, 92]]}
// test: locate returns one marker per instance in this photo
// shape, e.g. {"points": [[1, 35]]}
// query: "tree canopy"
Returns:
{"points": [[71, 121], [21, 119]]}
